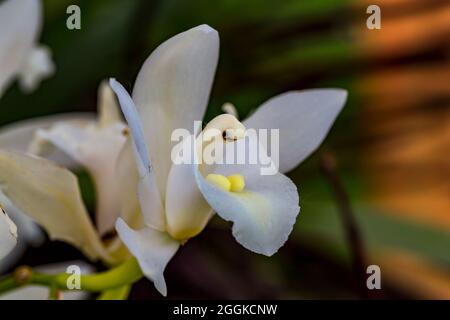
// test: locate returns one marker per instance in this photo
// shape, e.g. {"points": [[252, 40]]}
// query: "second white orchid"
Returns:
{"points": [[22, 58], [177, 200]]}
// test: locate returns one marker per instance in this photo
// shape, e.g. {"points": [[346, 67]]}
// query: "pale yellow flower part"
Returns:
{"points": [[16, 137], [96, 146], [50, 195]]}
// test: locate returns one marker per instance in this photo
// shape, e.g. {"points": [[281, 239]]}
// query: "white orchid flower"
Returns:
{"points": [[49, 193], [96, 146], [16, 137], [177, 200], [20, 55]]}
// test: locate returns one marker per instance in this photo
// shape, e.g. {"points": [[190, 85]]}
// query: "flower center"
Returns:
{"points": [[233, 183]]}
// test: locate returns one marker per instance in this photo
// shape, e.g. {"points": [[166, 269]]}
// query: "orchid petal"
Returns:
{"points": [[8, 234], [149, 196], [50, 195], [187, 212], [29, 231], [264, 213], [17, 136], [97, 149], [172, 91], [37, 66], [128, 177], [108, 108], [153, 250], [10, 259], [303, 118], [20, 24]]}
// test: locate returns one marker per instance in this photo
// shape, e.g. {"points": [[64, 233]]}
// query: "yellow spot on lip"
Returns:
{"points": [[237, 182], [219, 181], [233, 183]]}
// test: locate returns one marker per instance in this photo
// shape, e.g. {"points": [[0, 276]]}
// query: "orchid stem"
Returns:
{"points": [[125, 274], [328, 166], [54, 293], [119, 293]]}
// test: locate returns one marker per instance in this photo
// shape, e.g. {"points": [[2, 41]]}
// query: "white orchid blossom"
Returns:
{"points": [[16, 137], [22, 58], [49, 193], [177, 200], [95, 146], [161, 204]]}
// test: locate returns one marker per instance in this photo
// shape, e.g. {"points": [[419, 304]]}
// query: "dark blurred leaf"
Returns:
{"points": [[319, 225]]}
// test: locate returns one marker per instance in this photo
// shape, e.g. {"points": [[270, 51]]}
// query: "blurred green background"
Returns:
{"points": [[389, 142]]}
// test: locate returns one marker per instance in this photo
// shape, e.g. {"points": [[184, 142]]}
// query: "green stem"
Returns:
{"points": [[120, 293], [53, 293], [124, 274], [8, 284]]}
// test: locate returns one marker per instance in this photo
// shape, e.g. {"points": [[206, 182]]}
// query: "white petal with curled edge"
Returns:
{"points": [[172, 91], [50, 195], [149, 196], [19, 135], [29, 231], [303, 118], [153, 250], [264, 213], [8, 234], [20, 24], [10, 260], [29, 234], [97, 149]]}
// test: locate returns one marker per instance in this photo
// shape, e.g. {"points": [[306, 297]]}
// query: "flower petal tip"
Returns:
{"points": [[112, 82], [342, 94], [205, 28], [338, 95], [161, 287]]}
